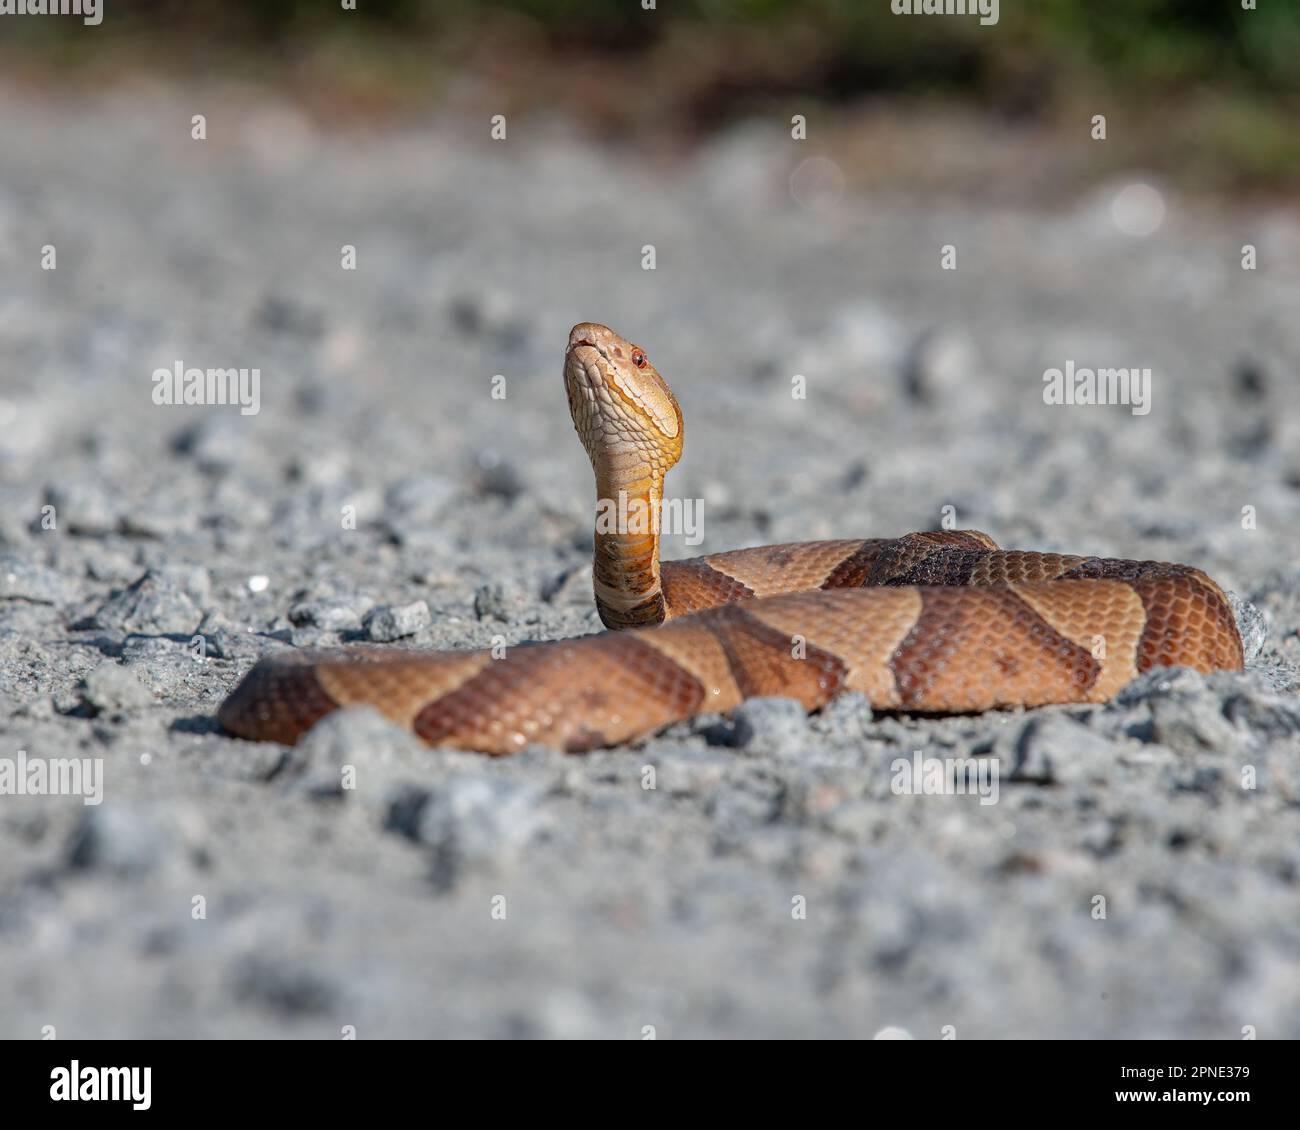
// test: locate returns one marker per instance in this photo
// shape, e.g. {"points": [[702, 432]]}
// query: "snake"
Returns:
{"points": [[933, 622]]}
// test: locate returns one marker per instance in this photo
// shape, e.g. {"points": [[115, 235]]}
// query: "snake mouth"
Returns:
{"points": [[590, 335], [590, 369]]}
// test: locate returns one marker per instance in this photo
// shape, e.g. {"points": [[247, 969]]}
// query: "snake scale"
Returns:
{"points": [[943, 621]]}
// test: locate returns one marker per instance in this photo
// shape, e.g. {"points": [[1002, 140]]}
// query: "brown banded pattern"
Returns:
{"points": [[940, 648], [932, 621]]}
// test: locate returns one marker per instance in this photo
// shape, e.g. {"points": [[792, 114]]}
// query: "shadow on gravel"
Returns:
{"points": [[196, 724]]}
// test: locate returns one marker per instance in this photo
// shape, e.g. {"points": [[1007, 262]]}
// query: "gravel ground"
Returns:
{"points": [[771, 882]]}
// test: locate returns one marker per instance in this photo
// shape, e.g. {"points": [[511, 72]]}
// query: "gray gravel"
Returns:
{"points": [[1139, 871]]}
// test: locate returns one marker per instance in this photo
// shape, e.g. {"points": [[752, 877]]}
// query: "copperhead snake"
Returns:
{"points": [[943, 621]]}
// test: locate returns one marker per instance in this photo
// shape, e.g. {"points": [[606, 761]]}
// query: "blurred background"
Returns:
{"points": [[1209, 92]]}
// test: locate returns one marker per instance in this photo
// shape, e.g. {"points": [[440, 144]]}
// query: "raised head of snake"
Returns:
{"points": [[631, 426]]}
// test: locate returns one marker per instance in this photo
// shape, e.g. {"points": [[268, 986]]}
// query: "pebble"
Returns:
{"points": [[158, 518], [131, 840], [85, 507], [388, 622], [1192, 725], [847, 717], [358, 741], [498, 478], [570, 586], [110, 688], [1183, 713], [1052, 749], [942, 367], [420, 498], [21, 579], [1268, 718], [501, 600], [154, 605], [328, 615], [1252, 625], [282, 314], [770, 725], [689, 772], [291, 987], [216, 443], [470, 822]]}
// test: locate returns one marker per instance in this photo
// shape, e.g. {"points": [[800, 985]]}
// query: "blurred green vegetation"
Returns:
{"points": [[1159, 41], [1144, 41], [1219, 84]]}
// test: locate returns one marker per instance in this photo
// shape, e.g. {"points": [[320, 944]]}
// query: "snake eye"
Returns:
{"points": [[638, 359]]}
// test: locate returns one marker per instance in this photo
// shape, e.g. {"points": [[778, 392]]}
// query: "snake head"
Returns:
{"points": [[621, 407]]}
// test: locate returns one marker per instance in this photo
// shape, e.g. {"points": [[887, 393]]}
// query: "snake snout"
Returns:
{"points": [[587, 333]]}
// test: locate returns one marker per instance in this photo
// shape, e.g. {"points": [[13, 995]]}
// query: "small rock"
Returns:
{"points": [[158, 517], [1272, 718], [847, 717], [390, 622], [23, 580], [735, 810], [420, 498], [566, 1015], [1161, 681], [770, 725], [112, 565], [1102, 837], [689, 772], [328, 615], [1252, 625], [84, 507], [123, 839], [215, 443], [494, 312], [808, 799], [287, 986], [153, 605], [498, 477], [113, 689], [356, 749], [193, 580], [282, 314], [1186, 715], [1192, 725], [1052, 749], [941, 368], [223, 640], [315, 468], [500, 600], [572, 586], [470, 822], [24, 446]]}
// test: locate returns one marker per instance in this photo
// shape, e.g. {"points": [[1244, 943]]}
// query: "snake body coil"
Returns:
{"points": [[940, 621]]}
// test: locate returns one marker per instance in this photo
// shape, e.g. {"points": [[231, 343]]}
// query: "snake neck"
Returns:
{"points": [[626, 563]]}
